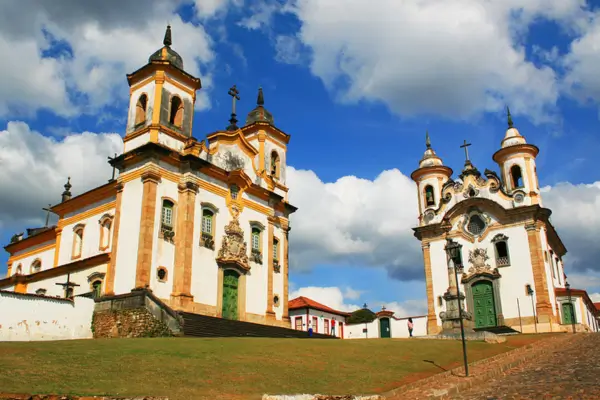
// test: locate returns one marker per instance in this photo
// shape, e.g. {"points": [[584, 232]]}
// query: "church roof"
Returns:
{"points": [[260, 113], [305, 302], [166, 53]]}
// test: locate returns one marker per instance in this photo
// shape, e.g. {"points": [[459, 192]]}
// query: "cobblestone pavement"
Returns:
{"points": [[569, 372]]}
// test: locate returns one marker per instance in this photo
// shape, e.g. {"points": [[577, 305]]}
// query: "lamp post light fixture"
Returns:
{"points": [[530, 293], [453, 251], [568, 287]]}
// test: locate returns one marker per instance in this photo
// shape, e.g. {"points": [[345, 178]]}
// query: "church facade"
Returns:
{"points": [[510, 266], [203, 224]]}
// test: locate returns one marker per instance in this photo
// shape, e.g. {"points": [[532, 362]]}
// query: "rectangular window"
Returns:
{"points": [[167, 216], [275, 249], [298, 323], [315, 324], [207, 224], [255, 239]]}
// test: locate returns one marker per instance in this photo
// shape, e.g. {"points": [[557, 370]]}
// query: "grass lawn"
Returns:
{"points": [[236, 368]]}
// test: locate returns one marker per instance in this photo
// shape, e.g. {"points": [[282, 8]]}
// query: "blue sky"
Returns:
{"points": [[356, 95]]}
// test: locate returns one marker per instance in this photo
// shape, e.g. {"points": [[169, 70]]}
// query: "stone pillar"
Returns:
{"points": [[58, 231], [543, 306], [270, 229], [432, 326], [286, 271], [150, 180], [109, 286], [451, 317], [184, 245]]}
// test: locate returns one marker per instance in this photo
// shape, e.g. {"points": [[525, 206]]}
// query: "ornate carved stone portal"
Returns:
{"points": [[233, 247]]}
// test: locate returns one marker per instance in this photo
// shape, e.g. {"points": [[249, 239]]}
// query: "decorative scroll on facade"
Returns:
{"points": [[479, 266]]}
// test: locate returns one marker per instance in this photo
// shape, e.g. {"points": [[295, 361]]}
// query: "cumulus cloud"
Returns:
{"points": [[35, 168], [342, 300], [454, 58], [355, 221], [73, 56]]}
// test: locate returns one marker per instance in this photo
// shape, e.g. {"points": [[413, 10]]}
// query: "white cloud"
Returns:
{"points": [[581, 63], [595, 297], [74, 56], [341, 300], [576, 215], [449, 57], [330, 296], [206, 9], [35, 168], [355, 221], [288, 50]]}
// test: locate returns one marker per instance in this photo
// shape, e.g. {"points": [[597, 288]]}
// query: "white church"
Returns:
{"points": [[510, 258], [203, 224]]}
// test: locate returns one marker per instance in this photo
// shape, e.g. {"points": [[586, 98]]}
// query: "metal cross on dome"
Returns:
{"points": [[235, 95], [465, 146]]}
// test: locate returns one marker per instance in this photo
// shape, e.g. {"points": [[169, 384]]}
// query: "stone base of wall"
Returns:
{"points": [[132, 323], [11, 396]]}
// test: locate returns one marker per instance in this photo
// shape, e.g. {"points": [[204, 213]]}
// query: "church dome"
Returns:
{"points": [[512, 136], [260, 113], [430, 159], [166, 53]]}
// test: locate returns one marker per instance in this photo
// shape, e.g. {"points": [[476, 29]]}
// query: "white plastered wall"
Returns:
{"points": [[46, 257]]}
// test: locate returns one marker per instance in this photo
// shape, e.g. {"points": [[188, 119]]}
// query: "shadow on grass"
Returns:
{"points": [[435, 364]]}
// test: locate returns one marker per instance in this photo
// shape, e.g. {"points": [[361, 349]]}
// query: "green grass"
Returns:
{"points": [[190, 368]]}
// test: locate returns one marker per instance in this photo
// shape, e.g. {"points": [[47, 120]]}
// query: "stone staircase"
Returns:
{"points": [[196, 325], [498, 330]]}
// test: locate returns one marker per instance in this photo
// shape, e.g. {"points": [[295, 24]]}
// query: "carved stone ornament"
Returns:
{"points": [[428, 216], [471, 191], [519, 198], [233, 247], [478, 259]]}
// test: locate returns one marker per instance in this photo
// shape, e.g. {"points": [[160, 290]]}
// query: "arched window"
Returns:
{"points": [[140, 109], [77, 241], [36, 266], [97, 289], [429, 199], [167, 214], [207, 222], [41, 292], [176, 113], [275, 165], [517, 177], [105, 225], [500, 242], [19, 270]]}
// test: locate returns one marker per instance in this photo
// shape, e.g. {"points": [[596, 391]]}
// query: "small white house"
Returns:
{"points": [[306, 313], [386, 325]]}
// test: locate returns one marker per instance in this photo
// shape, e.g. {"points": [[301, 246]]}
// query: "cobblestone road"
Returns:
{"points": [[570, 372]]}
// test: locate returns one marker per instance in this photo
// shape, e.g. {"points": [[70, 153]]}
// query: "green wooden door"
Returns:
{"points": [[384, 328], [230, 294], [567, 313], [483, 302]]}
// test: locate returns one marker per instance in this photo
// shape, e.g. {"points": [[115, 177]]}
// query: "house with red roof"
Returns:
{"points": [[306, 313]]}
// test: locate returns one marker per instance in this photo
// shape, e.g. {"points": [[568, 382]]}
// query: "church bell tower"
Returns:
{"points": [[516, 160], [161, 104]]}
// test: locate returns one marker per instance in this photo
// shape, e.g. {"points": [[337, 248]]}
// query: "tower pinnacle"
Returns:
{"points": [[167, 41], [427, 140], [509, 117]]}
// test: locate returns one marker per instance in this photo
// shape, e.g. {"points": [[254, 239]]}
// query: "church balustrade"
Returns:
{"points": [[256, 256], [207, 241]]}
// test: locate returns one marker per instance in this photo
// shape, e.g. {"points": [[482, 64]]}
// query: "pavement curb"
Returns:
{"points": [[440, 386]]}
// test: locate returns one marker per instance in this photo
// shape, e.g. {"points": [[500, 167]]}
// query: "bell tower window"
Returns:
{"points": [[140, 110], [275, 165], [429, 198], [517, 177], [176, 113]]}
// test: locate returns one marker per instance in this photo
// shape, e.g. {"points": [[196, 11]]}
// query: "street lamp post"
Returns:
{"points": [[453, 250], [530, 293], [568, 287]]}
